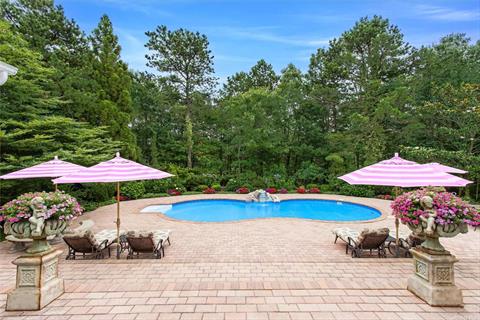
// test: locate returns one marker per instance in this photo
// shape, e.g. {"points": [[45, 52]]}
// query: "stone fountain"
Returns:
{"points": [[261, 195]]}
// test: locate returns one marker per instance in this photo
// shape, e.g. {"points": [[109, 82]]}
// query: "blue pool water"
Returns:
{"points": [[230, 210]]}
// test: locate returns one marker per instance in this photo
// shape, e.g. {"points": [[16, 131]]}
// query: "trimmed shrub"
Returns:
{"points": [[201, 187], [217, 187], [132, 190], [357, 191], [283, 191], [314, 190]]}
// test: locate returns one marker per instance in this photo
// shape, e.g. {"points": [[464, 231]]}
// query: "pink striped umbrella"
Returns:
{"points": [[51, 169], [444, 168], [116, 170], [398, 172]]}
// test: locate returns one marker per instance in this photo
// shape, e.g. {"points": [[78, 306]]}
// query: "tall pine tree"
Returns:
{"points": [[114, 86]]}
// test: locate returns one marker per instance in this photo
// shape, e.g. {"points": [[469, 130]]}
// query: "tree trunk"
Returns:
{"points": [[189, 137]]}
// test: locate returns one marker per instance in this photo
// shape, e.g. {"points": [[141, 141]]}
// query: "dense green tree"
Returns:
{"points": [[185, 56], [454, 60], [365, 96], [63, 47], [114, 81], [26, 95], [262, 75], [25, 143], [157, 121], [239, 83]]}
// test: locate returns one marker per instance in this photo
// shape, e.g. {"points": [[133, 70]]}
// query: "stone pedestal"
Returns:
{"points": [[433, 279], [37, 281]]}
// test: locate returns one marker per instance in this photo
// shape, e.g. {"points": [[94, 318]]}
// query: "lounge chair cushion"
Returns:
{"points": [[139, 234], [96, 238], [107, 234], [374, 232], [156, 235], [160, 235], [344, 233]]}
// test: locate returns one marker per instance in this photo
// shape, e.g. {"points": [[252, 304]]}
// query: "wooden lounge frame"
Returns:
{"points": [[144, 245], [369, 242], [87, 249]]}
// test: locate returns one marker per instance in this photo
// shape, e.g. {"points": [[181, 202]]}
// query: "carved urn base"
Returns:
{"points": [[433, 279], [37, 281]]}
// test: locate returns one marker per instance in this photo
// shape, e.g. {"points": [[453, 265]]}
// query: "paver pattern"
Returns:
{"points": [[257, 269]]}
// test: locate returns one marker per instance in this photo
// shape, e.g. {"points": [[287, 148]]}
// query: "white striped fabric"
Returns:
{"points": [[398, 172], [51, 169], [116, 170], [444, 168]]}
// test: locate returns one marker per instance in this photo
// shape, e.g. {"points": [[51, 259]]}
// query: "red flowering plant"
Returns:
{"points": [[450, 210], [283, 190], [271, 190], [243, 190], [174, 192], [57, 205], [301, 190], [209, 190], [314, 190]]}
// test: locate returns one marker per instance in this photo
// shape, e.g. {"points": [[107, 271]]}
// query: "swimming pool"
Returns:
{"points": [[231, 210]]}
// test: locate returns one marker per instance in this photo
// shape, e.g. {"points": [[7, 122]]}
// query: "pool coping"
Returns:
{"points": [[351, 200]]}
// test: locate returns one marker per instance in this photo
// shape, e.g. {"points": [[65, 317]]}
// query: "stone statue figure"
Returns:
{"points": [[37, 220], [427, 204]]}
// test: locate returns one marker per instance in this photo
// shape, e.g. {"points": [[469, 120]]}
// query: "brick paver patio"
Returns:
{"points": [[256, 269]]}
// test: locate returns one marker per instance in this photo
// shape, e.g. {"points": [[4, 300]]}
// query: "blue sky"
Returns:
{"points": [[281, 31]]}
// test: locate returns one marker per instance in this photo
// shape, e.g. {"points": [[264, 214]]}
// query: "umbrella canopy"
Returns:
{"points": [[116, 170], [398, 172], [444, 168], [51, 169]]}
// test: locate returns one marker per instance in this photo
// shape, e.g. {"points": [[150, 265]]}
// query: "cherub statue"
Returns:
{"points": [[37, 220], [427, 204]]}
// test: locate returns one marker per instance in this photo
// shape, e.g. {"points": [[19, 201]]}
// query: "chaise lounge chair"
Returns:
{"points": [[147, 242], [357, 242], [90, 245]]}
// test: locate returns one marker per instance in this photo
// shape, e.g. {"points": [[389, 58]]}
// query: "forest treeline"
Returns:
{"points": [[365, 96]]}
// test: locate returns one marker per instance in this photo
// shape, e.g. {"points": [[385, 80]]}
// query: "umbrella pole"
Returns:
{"points": [[397, 224], [118, 220]]}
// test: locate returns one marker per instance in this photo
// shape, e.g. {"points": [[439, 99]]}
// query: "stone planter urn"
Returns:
{"points": [[37, 282], [433, 279]]}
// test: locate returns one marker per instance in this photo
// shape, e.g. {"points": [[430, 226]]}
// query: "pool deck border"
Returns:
{"points": [[282, 197]]}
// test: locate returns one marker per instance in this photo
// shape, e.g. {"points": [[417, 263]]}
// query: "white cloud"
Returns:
{"points": [[263, 34], [447, 14]]}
